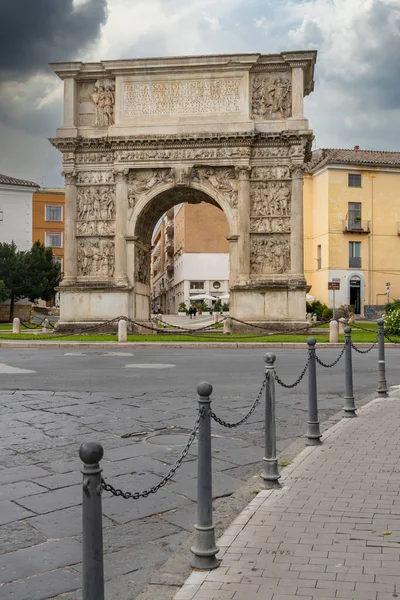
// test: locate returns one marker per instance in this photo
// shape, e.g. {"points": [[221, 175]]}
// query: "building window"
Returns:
{"points": [[197, 285], [354, 212], [355, 255], [354, 180], [58, 260], [53, 213], [216, 285], [319, 257], [53, 240]]}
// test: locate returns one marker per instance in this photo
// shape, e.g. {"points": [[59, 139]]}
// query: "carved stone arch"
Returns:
{"points": [[175, 195]]}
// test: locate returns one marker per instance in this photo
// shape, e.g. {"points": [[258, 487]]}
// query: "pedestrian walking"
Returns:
{"points": [[191, 312], [194, 312]]}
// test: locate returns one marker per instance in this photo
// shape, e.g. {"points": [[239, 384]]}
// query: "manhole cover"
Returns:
{"points": [[176, 439]]}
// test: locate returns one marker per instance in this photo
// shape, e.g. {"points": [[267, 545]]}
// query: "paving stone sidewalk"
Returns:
{"points": [[332, 531]]}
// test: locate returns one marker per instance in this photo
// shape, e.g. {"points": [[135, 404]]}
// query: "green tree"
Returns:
{"points": [[43, 273], [4, 292], [13, 272]]}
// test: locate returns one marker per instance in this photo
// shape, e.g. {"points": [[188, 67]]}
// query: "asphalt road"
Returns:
{"points": [[141, 405]]}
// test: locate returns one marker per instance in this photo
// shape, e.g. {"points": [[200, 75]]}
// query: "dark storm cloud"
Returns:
{"points": [[35, 32]]}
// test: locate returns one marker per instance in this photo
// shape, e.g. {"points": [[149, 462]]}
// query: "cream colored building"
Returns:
{"points": [[190, 256], [352, 227]]}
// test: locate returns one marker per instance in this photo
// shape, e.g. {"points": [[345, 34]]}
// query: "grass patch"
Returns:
{"points": [[285, 463], [357, 337], [5, 326]]}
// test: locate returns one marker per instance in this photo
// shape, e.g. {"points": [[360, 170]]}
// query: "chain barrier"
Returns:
{"points": [[247, 416], [293, 385], [367, 350], [136, 495], [207, 328], [390, 339], [335, 362]]}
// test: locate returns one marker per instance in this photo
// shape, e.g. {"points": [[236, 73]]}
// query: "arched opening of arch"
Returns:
{"points": [[172, 268]]}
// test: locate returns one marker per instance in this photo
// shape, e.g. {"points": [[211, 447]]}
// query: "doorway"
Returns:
{"points": [[355, 295]]}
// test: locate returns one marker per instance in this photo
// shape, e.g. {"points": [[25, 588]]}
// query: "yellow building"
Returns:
{"points": [[352, 227]]}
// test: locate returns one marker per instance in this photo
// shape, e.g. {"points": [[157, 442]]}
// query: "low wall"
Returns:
{"points": [[20, 311]]}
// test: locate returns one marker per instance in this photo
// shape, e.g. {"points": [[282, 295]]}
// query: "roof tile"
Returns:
{"points": [[14, 181]]}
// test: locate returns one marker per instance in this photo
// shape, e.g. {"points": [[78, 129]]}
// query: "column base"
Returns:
{"points": [[204, 548]]}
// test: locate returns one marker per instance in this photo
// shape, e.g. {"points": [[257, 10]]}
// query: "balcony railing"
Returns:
{"points": [[355, 226], [157, 264], [355, 262], [169, 247], [157, 249]]}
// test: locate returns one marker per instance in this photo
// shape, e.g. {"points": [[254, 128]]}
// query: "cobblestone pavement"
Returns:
{"points": [[143, 432], [332, 531]]}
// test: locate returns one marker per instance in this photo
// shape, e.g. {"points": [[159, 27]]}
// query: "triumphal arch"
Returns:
{"points": [[142, 135]]}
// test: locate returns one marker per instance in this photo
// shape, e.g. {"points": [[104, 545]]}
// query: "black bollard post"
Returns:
{"points": [[349, 407], [91, 454], [204, 548], [313, 432], [382, 384], [270, 474]]}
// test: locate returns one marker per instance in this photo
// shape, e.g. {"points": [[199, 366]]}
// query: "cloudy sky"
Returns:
{"points": [[357, 92]]}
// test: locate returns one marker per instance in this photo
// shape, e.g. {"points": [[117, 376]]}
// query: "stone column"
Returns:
{"points": [[121, 215], [297, 92], [233, 259], [70, 245], [296, 223], [243, 174]]}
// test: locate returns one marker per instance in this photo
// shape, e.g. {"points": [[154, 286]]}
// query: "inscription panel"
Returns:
{"points": [[182, 97]]}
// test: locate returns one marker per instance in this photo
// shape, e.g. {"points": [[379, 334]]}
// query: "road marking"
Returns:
{"points": [[149, 366], [7, 370], [98, 354]]}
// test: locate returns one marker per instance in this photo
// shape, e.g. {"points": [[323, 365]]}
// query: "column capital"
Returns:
{"points": [[70, 177], [297, 172], [121, 175], [243, 172]]}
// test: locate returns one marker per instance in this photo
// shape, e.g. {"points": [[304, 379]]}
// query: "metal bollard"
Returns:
{"points": [[270, 474], [349, 407], [382, 384], [45, 324], [91, 454], [313, 432], [122, 331], [16, 325], [204, 548]]}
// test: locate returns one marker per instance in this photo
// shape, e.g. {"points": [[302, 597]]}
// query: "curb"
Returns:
{"points": [[130, 345]]}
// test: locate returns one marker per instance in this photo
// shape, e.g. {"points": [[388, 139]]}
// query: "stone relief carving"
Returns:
{"points": [[182, 97], [96, 258], [269, 254], [95, 211], [181, 153], [270, 199], [270, 225], [95, 177], [142, 265], [221, 179], [141, 181], [278, 172], [271, 97], [103, 98], [270, 151], [94, 157]]}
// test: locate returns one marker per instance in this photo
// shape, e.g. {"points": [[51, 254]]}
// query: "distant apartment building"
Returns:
{"points": [[16, 211], [48, 220], [190, 256], [352, 227]]}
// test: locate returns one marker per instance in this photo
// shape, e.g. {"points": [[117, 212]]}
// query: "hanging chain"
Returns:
{"points": [[252, 409], [390, 339], [136, 495], [335, 362], [367, 350], [293, 385]]}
